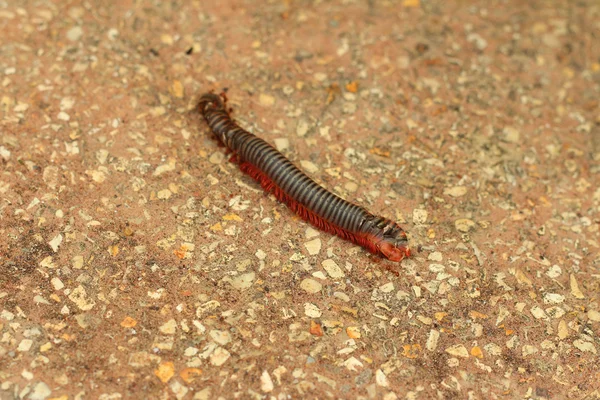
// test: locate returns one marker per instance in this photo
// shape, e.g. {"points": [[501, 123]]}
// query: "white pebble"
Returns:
{"points": [[313, 247], [219, 357], [311, 310], [41, 391], [55, 242], [282, 144], [25, 345], [220, 337], [458, 350], [553, 298], [266, 99], [266, 383], [169, 327], [381, 379], [302, 128], [456, 191], [216, 157], [243, 281], [594, 315], [75, 33], [311, 233], [309, 166], [310, 285], [332, 269], [419, 216]]}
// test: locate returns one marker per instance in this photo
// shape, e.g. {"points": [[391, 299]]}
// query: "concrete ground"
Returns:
{"points": [[137, 262]]}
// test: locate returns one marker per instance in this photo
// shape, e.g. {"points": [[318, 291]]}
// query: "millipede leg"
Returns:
{"points": [[224, 97]]}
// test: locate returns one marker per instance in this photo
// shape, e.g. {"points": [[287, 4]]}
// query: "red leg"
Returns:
{"points": [[224, 97], [234, 157]]}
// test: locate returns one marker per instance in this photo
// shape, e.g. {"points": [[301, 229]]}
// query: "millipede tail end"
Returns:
{"points": [[210, 99]]}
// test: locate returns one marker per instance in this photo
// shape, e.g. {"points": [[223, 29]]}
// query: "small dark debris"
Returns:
{"points": [[302, 55], [421, 48]]}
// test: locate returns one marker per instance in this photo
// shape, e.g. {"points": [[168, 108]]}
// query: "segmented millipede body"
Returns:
{"points": [[308, 199]]}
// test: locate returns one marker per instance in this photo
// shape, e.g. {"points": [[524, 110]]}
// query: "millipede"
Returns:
{"points": [[312, 202]]}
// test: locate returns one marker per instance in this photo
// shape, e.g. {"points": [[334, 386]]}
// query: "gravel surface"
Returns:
{"points": [[137, 262]]}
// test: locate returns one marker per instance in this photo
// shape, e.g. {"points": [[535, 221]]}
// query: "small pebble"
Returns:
{"points": [[310, 285], [594, 315], [266, 383], [216, 157], [282, 144], [244, 281], [456, 191], [464, 225], [168, 328], [220, 337], [302, 128], [41, 391], [311, 310], [308, 166], [419, 216], [25, 345], [266, 100], [333, 269], [313, 247], [75, 33], [219, 356], [458, 350]]}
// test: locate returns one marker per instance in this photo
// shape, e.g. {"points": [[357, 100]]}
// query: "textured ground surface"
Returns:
{"points": [[137, 262]]}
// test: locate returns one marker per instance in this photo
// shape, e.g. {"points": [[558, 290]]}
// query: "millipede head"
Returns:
{"points": [[392, 242], [394, 251]]}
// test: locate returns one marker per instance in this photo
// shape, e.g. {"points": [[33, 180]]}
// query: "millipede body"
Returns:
{"points": [[308, 199]]}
